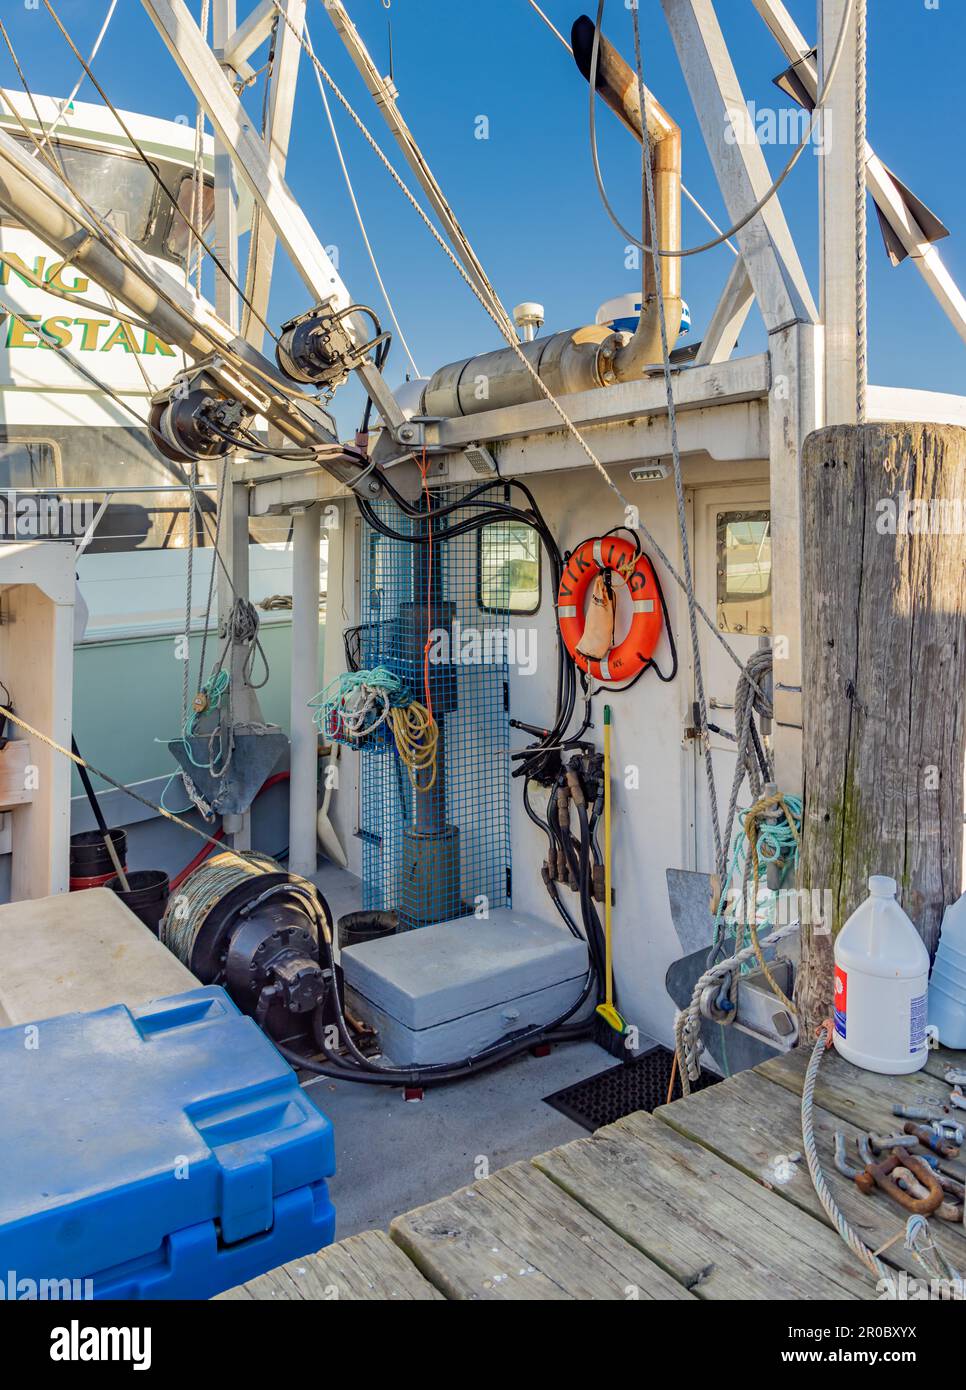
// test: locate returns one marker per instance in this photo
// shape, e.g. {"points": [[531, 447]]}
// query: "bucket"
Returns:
{"points": [[356, 928], [947, 986], [90, 864], [952, 975], [147, 895]]}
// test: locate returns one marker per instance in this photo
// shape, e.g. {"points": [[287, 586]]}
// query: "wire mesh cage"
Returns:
{"points": [[445, 852]]}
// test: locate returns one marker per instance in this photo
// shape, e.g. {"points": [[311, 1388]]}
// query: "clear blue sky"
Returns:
{"points": [[526, 194]]}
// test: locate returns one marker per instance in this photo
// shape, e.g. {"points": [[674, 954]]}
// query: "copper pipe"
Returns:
{"points": [[617, 84]]}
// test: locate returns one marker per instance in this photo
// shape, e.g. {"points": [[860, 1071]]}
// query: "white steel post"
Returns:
{"points": [[837, 242], [303, 788], [233, 540]]}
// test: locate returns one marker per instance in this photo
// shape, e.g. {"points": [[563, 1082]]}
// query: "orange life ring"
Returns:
{"points": [[624, 661]]}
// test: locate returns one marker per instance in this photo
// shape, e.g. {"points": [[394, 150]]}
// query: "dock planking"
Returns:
{"points": [[864, 1098], [701, 1200], [362, 1268], [756, 1125], [517, 1235], [716, 1229]]}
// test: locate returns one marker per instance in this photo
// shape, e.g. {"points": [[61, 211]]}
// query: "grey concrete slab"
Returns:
{"points": [[393, 1155]]}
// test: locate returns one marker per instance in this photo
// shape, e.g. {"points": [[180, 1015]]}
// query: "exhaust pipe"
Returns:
{"points": [[618, 86], [583, 359]]}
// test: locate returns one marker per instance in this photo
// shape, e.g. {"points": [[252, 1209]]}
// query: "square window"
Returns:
{"points": [[509, 568], [743, 565]]}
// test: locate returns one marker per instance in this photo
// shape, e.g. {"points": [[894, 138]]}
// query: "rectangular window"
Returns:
{"points": [[178, 237], [28, 463], [509, 568], [743, 564]]}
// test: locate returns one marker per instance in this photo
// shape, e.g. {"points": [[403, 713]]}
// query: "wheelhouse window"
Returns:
{"points": [[509, 568], [744, 572], [119, 188], [178, 237], [124, 190]]}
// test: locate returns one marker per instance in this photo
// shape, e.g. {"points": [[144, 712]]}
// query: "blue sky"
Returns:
{"points": [[526, 195]]}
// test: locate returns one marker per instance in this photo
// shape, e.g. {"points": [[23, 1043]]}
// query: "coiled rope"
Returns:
{"points": [[356, 704], [188, 909], [687, 1021]]}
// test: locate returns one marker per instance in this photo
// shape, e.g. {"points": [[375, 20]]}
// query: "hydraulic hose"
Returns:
{"points": [[364, 1070]]}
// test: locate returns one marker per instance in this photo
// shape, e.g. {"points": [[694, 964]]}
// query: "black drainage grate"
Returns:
{"points": [[619, 1091]]}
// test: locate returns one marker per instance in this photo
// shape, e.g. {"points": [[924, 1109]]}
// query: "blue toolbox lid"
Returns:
{"points": [[123, 1126]]}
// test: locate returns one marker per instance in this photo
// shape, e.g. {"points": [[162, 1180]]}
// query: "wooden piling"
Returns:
{"points": [[884, 679]]}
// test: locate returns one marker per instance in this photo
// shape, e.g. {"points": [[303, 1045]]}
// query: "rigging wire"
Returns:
{"points": [[106, 235], [629, 509], [357, 210], [684, 189], [48, 133], [650, 219], [197, 182], [104, 777], [54, 343], [155, 174], [762, 202]]}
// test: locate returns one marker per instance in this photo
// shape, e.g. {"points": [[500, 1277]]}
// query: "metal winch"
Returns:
{"points": [[244, 922]]}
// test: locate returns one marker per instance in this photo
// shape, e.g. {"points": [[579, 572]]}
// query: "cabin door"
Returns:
{"points": [[732, 575]]}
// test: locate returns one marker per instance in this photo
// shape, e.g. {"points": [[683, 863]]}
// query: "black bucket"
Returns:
{"points": [[355, 928], [147, 895], [90, 863]]}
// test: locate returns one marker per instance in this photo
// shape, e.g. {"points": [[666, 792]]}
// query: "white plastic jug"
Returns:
{"points": [[947, 988], [881, 972]]}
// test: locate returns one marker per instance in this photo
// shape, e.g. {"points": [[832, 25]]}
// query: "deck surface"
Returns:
{"points": [[708, 1198]]}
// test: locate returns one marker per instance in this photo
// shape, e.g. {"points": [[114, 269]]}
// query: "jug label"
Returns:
{"points": [[917, 1024], [841, 1000]]}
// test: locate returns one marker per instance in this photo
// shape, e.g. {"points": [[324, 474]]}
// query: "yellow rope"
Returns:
{"points": [[417, 738]]}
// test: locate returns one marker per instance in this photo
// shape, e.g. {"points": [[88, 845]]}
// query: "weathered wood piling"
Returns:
{"points": [[884, 678]]}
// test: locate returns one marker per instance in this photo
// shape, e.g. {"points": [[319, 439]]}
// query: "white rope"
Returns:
{"points": [[861, 228], [687, 1021], [852, 1240], [357, 209]]}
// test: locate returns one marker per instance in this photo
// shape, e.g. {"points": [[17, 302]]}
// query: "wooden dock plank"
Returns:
{"points": [[864, 1098], [368, 1266], [753, 1123], [942, 1057], [516, 1235], [717, 1230]]}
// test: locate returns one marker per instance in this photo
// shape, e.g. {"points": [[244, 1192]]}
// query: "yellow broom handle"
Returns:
{"points": [[608, 955]]}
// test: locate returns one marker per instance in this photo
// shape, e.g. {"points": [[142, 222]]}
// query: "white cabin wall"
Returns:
{"points": [[653, 821]]}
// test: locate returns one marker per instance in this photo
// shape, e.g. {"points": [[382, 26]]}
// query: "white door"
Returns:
{"points": [[732, 577]]}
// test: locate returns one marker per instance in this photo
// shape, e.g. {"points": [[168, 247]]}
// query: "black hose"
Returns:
{"points": [[422, 1076], [369, 1072]]}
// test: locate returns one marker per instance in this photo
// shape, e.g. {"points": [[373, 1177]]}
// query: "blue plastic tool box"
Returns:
{"points": [[165, 1151]]}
